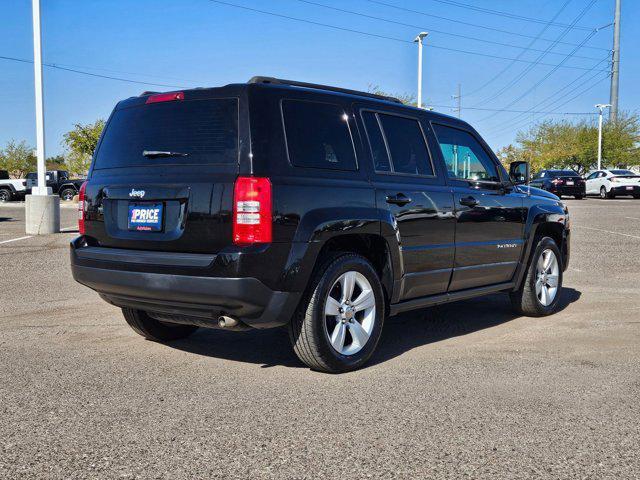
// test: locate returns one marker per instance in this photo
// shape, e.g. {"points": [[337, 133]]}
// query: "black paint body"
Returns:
{"points": [[429, 249]]}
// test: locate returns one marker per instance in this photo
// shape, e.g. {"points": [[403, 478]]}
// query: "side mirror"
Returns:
{"points": [[519, 172]]}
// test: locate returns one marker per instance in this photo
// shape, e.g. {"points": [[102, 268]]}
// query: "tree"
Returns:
{"points": [[18, 159], [81, 142], [512, 153], [406, 98], [563, 144], [56, 162]]}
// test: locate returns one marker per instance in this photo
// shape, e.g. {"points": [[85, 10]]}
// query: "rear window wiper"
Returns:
{"points": [[159, 153]]}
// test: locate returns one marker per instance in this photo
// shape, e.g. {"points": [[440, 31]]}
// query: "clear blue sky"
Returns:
{"points": [[202, 43]]}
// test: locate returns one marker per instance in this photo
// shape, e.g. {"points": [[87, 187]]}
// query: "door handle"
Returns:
{"points": [[398, 199], [469, 201]]}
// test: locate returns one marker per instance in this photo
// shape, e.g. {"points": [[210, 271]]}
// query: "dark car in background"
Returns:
{"points": [[59, 182], [560, 182]]}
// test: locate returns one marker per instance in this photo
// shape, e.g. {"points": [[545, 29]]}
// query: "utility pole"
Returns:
{"points": [[418, 40], [615, 64], [459, 98], [42, 209], [600, 107]]}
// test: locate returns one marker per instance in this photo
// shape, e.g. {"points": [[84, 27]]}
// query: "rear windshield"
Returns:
{"points": [[202, 131], [623, 172], [564, 173]]}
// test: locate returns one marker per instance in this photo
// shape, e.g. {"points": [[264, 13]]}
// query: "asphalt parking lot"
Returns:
{"points": [[465, 390]]}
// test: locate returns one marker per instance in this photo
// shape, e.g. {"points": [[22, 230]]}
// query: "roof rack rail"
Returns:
{"points": [[280, 81]]}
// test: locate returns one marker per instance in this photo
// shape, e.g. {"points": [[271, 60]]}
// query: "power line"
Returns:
{"points": [[509, 15], [442, 32], [516, 111], [529, 122], [548, 102], [512, 63], [537, 61], [81, 72], [385, 37], [485, 27]]}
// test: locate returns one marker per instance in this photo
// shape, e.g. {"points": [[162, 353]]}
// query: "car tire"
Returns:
{"points": [[155, 330], [604, 194], [636, 196], [534, 298], [579, 197], [67, 194], [5, 195], [343, 341]]}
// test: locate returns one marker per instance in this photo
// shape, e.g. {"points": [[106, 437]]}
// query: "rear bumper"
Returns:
{"points": [[623, 190], [201, 299], [568, 190]]}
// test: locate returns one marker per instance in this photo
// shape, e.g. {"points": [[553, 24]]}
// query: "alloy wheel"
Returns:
{"points": [[547, 277], [350, 313]]}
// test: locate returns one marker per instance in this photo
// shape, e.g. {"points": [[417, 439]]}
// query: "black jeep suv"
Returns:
{"points": [[278, 203]]}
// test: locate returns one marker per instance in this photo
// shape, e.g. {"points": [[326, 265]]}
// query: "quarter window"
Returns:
{"points": [[318, 135], [464, 156]]}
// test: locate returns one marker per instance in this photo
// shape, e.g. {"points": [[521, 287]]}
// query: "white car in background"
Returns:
{"points": [[613, 183]]}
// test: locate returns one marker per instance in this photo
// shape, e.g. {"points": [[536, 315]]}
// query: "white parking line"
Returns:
{"points": [[66, 229], [632, 218], [15, 239], [607, 231]]}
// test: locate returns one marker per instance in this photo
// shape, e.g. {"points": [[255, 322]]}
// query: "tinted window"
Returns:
{"points": [[32, 176], [593, 175], [378, 148], [565, 173], [318, 135], [464, 156], [205, 130], [406, 143], [622, 172]]}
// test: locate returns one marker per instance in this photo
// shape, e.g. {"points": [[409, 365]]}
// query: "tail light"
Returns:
{"points": [[252, 211], [557, 181], [614, 179], [81, 208]]}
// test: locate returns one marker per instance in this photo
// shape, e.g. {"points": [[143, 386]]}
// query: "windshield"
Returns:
{"points": [[204, 131], [622, 172]]}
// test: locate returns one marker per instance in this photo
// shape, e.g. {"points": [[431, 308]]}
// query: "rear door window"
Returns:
{"points": [[202, 131], [318, 135], [397, 144]]}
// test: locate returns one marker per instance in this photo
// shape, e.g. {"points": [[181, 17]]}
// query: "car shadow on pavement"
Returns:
{"points": [[405, 332]]}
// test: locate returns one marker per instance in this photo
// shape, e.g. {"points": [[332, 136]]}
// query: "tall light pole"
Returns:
{"points": [[42, 209], [418, 40], [615, 63], [600, 107], [41, 189]]}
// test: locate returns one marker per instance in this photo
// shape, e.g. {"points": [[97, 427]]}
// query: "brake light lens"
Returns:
{"points": [[252, 211], [81, 208], [557, 181], [165, 97], [614, 179]]}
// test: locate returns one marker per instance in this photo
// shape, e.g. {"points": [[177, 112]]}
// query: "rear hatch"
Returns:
{"points": [[163, 174], [571, 180], [624, 178]]}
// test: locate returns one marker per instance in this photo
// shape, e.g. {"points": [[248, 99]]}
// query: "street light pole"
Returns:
{"points": [[42, 209], [418, 40], [600, 107], [41, 189]]}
